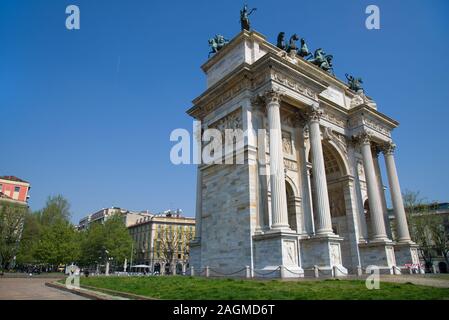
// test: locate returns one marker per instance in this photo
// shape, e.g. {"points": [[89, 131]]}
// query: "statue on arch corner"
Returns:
{"points": [[244, 17]]}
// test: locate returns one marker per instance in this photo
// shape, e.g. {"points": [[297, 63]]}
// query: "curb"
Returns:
{"points": [[118, 293], [82, 293], [97, 293]]}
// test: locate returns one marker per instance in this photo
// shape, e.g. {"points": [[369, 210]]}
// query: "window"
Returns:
{"points": [[1, 187], [16, 189]]}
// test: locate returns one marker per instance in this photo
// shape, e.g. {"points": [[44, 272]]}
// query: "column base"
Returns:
{"points": [[406, 254], [324, 252], [277, 255], [379, 253]]}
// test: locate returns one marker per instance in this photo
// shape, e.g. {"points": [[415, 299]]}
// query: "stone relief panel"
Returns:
{"points": [[290, 253], [335, 254], [294, 85], [334, 119], [415, 257], [287, 142], [290, 165], [337, 202], [377, 126], [231, 121], [360, 170], [390, 256]]}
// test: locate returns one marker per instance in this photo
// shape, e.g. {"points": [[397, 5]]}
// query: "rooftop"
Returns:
{"points": [[13, 178]]}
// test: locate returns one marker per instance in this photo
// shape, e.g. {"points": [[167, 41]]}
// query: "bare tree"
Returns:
{"points": [[426, 227], [173, 243]]}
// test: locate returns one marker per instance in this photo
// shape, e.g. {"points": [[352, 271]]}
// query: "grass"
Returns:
{"points": [[188, 288]]}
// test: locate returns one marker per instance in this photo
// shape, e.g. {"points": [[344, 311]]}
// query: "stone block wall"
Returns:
{"points": [[226, 227]]}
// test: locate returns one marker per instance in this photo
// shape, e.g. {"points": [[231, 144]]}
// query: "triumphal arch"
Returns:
{"points": [[309, 196]]}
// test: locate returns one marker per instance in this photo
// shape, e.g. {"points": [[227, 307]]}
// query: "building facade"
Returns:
{"points": [[129, 217], [14, 189], [309, 194], [162, 242]]}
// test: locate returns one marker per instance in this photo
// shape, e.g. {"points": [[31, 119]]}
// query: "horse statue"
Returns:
{"points": [[327, 64], [304, 50], [281, 41], [354, 84], [322, 60], [244, 17], [217, 43], [292, 43]]}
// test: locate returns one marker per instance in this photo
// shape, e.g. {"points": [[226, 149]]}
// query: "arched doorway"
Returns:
{"points": [[367, 218], [178, 268], [291, 206], [167, 268], [442, 266], [339, 196], [157, 268], [335, 173]]}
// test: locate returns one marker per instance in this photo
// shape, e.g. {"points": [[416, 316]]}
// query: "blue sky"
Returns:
{"points": [[88, 113]]}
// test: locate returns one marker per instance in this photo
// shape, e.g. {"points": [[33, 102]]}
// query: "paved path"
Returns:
{"points": [[418, 280], [32, 289]]}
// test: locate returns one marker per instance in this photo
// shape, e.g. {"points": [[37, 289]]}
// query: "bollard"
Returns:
{"points": [[207, 272], [335, 271], [282, 269], [248, 272], [359, 271], [192, 271], [316, 271]]}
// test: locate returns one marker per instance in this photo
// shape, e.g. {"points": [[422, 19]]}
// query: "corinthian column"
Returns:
{"points": [[323, 214], [375, 205], [403, 234], [277, 174]]}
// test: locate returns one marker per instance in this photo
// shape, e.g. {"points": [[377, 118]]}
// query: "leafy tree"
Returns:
{"points": [[58, 244], [102, 241], [56, 208], [118, 240], [30, 237], [12, 217], [48, 235]]}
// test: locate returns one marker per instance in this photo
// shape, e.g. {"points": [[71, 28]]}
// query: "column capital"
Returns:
{"points": [[388, 148], [272, 96], [362, 138], [314, 112]]}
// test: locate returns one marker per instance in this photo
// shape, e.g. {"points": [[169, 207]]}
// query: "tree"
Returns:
{"points": [[426, 227], [12, 217], [56, 208], [30, 237], [48, 235], [110, 240], [58, 244], [172, 241], [440, 237]]}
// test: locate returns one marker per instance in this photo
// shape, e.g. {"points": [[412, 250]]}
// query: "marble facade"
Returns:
{"points": [[310, 196]]}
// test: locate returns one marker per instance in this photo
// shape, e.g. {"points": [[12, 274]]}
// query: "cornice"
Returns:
{"points": [[365, 110]]}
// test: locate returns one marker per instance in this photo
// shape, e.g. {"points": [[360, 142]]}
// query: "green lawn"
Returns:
{"points": [[228, 289]]}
